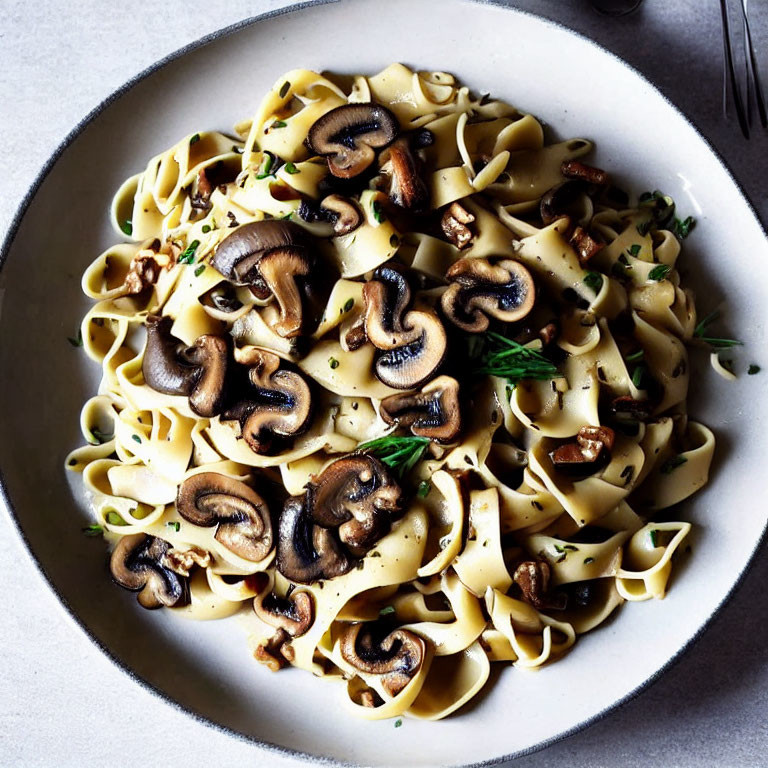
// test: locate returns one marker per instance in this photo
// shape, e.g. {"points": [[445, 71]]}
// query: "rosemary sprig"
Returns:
{"points": [[398, 453], [512, 361], [700, 331]]}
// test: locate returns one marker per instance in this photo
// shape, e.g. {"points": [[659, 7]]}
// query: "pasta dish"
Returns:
{"points": [[398, 378]]}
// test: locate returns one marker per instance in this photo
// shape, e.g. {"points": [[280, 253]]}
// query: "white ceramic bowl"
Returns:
{"points": [[580, 90]]}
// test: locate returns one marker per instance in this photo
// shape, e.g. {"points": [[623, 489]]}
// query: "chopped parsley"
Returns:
{"points": [[93, 530], [378, 214], [424, 488], [333, 362], [638, 375], [76, 341], [670, 465], [278, 124], [653, 535], [659, 272], [206, 228], [500, 356], [634, 250], [753, 369], [284, 88], [398, 453], [700, 332], [266, 166], [291, 168], [398, 722], [387, 610], [199, 270], [188, 256], [195, 138], [594, 280], [136, 438], [127, 227], [176, 525], [682, 229], [635, 357]]}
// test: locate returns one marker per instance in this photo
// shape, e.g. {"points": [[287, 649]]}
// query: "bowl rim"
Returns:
{"points": [[5, 498]]}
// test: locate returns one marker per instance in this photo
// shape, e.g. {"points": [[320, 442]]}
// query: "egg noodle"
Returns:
{"points": [[394, 379]]}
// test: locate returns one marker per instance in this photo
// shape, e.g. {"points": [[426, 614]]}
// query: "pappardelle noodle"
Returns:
{"points": [[395, 378]]}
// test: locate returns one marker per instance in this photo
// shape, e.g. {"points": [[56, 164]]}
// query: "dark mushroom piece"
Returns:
{"points": [[343, 212], [279, 405], [533, 577], [358, 496], [407, 189], [626, 408], [293, 614], [585, 245], [306, 552], [590, 451], [478, 289], [350, 135], [433, 412], [199, 371], [574, 169], [137, 564], [413, 342], [272, 257], [454, 223], [556, 202], [244, 524], [397, 657]]}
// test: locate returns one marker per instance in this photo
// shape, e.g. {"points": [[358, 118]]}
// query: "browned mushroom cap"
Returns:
{"points": [[278, 406], [584, 244], [349, 135], [434, 412], [555, 203], [293, 614], [137, 564], [343, 212], [397, 656], [454, 225], [271, 257], [532, 576], [244, 524], [407, 189], [592, 444], [306, 552], [199, 371], [358, 496], [478, 290], [414, 342]]}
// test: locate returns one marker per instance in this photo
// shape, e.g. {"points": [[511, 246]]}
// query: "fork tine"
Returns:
{"points": [[731, 74], [752, 64]]}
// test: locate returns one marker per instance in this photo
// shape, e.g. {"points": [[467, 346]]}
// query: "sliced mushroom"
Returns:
{"points": [[143, 271], [397, 656], [584, 244], [533, 576], [274, 652], [244, 524], [574, 169], [554, 204], [591, 449], [137, 564], [272, 257], [413, 342], [306, 552], [349, 135], [357, 495], [454, 225], [477, 290], [182, 561], [199, 371], [626, 408], [279, 405], [433, 412], [293, 614], [407, 189], [343, 212]]}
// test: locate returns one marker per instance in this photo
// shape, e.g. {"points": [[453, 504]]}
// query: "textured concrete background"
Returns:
{"points": [[61, 700]]}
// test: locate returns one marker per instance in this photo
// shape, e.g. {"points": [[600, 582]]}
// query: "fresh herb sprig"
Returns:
{"points": [[700, 333], [514, 362], [398, 453]]}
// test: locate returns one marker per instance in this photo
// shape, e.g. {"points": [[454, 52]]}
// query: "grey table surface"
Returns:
{"points": [[61, 701]]}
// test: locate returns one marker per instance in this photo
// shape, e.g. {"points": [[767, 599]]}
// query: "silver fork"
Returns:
{"points": [[754, 91]]}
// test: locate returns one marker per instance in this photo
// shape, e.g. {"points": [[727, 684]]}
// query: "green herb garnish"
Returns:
{"points": [[653, 535], [753, 369], [594, 280], [195, 138], [136, 438], [387, 610], [398, 722], [348, 304], [512, 361], [637, 376], [333, 362], [284, 88], [634, 250], [278, 124], [291, 168], [670, 465], [424, 488], [398, 453], [127, 227], [206, 228], [659, 272], [93, 530], [269, 160], [199, 270], [97, 437], [635, 357], [701, 329], [682, 229], [188, 256], [176, 525], [76, 341], [113, 518], [378, 214]]}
